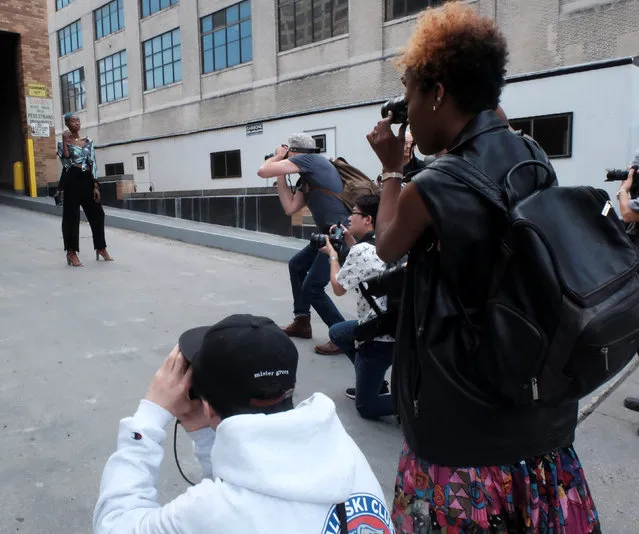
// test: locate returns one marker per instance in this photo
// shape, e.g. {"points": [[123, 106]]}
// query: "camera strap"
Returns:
{"points": [[341, 515]]}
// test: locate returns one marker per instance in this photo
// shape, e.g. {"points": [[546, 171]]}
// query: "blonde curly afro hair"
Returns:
{"points": [[465, 52]]}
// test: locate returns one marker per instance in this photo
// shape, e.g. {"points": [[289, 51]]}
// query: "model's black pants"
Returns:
{"points": [[78, 191]]}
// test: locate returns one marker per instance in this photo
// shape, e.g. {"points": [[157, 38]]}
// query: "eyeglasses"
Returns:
{"points": [[358, 213]]}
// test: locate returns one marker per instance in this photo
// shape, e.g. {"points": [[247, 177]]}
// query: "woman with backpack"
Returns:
{"points": [[474, 459]]}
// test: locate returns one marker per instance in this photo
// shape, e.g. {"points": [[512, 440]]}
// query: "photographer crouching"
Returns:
{"points": [[372, 354], [317, 188]]}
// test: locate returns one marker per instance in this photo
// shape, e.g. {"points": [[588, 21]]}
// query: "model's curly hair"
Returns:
{"points": [[465, 52]]}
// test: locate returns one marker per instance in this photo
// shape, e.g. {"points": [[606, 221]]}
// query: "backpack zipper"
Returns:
{"points": [[604, 351], [535, 388]]}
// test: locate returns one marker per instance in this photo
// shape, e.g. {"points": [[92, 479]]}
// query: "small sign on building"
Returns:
{"points": [[39, 129], [254, 129], [37, 90], [40, 110]]}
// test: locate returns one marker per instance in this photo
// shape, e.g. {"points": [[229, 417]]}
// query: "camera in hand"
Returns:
{"points": [[619, 175], [398, 107], [389, 284], [299, 150], [336, 238]]}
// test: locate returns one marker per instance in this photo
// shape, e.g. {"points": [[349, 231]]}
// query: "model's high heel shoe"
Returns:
{"points": [[73, 260], [104, 254]]}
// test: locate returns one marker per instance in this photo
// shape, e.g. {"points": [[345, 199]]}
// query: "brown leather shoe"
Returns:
{"points": [[300, 327], [328, 349]]}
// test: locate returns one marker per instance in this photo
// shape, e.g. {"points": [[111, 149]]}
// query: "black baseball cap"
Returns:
{"points": [[246, 358]]}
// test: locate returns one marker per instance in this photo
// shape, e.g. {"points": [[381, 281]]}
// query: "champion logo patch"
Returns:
{"points": [[136, 436], [365, 514]]}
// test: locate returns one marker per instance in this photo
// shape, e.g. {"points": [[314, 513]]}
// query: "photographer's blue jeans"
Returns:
{"points": [[371, 363], [310, 273], [343, 335]]}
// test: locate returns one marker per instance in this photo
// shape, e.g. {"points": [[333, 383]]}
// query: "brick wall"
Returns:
{"points": [[28, 18], [544, 34]]}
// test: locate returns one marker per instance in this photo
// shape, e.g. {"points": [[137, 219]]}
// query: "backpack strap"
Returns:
{"points": [[341, 515], [472, 176]]}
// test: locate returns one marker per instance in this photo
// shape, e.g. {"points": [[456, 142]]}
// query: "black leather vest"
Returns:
{"points": [[449, 412]]}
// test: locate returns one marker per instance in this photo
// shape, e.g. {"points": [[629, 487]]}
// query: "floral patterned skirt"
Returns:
{"points": [[545, 495]]}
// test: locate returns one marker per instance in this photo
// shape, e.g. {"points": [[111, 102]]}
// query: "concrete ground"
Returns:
{"points": [[79, 346]]}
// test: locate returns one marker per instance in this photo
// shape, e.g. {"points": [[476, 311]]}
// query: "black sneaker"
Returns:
{"points": [[350, 392]]}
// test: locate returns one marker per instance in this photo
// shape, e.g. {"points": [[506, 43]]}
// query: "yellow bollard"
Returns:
{"points": [[33, 189], [18, 177]]}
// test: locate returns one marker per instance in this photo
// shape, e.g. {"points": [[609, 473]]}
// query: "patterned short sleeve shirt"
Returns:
{"points": [[361, 263]]}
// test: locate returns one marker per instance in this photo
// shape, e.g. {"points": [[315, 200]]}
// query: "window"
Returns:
{"points": [[552, 132], [72, 87], [396, 9], [139, 161], [303, 22], [70, 38], [109, 18], [153, 6], [59, 4], [113, 169], [320, 142], [226, 37], [226, 164], [113, 77], [162, 60]]}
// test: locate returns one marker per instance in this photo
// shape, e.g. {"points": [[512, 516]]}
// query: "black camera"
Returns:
{"points": [[619, 175], [389, 284], [336, 237], [399, 109]]}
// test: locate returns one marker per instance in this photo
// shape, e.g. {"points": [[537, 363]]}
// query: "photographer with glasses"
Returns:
{"points": [[373, 357]]}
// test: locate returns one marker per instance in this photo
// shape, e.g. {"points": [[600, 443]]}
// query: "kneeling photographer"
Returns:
{"points": [[372, 354]]}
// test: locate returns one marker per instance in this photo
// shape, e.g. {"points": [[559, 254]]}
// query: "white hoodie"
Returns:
{"points": [[281, 473]]}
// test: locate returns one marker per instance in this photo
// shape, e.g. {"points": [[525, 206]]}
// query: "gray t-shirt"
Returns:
{"points": [[317, 172]]}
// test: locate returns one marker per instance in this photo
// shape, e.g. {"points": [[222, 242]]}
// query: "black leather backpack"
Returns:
{"points": [[562, 317]]}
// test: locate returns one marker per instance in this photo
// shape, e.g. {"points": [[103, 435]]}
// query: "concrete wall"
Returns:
{"points": [[605, 133], [28, 19]]}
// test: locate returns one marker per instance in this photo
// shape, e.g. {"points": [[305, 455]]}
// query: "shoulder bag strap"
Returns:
{"points": [[341, 515]]}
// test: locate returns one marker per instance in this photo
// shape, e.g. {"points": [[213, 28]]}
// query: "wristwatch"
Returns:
{"points": [[333, 258], [391, 175]]}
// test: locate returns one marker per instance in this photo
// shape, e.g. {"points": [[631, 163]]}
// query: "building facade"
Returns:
{"points": [[26, 72], [191, 94]]}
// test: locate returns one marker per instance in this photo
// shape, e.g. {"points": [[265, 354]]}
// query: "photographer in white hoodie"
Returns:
{"points": [[267, 467]]}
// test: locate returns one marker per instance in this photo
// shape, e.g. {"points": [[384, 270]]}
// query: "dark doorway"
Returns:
{"points": [[11, 135]]}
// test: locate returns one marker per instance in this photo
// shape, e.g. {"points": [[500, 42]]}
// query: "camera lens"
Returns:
{"points": [[399, 109]]}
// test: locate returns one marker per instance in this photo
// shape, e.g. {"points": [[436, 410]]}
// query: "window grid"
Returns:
{"points": [[303, 22], [70, 38], [552, 132], [226, 37], [162, 60], [109, 18], [59, 4], [226, 164], [113, 169], [113, 77], [149, 7], [73, 91], [396, 9]]}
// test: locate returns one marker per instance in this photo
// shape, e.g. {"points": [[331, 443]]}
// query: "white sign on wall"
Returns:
{"points": [[39, 129], [40, 110]]}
